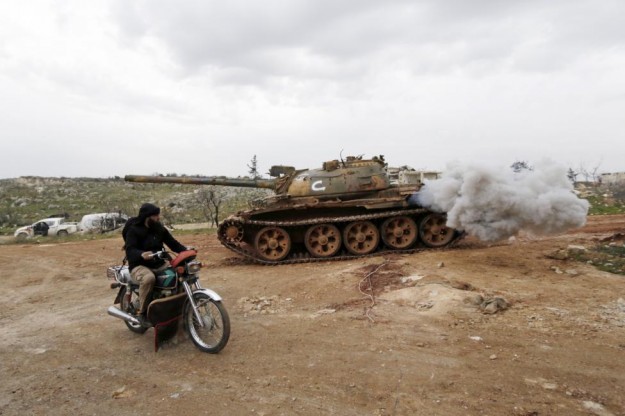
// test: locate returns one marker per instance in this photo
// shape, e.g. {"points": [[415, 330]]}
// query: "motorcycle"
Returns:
{"points": [[177, 294]]}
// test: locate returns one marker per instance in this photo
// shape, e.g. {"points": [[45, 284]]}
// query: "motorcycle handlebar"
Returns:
{"points": [[159, 254], [162, 254]]}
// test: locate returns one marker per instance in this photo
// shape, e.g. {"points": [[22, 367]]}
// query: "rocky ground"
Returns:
{"points": [[514, 328]]}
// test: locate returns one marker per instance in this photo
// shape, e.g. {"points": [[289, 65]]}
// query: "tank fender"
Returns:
{"points": [[210, 293]]}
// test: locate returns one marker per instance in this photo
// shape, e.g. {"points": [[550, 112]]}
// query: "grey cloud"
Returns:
{"points": [[98, 90], [129, 20], [266, 37], [317, 39]]}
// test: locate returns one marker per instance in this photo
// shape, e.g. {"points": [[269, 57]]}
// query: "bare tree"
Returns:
{"points": [[169, 217], [521, 165], [210, 199], [584, 173], [591, 174], [594, 174]]}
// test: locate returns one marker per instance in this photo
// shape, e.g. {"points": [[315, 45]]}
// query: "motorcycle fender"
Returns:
{"points": [[118, 298], [210, 293]]}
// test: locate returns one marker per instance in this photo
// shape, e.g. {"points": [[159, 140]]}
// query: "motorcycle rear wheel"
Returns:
{"points": [[213, 336], [128, 308]]}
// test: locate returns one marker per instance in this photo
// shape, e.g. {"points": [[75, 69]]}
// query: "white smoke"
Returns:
{"points": [[494, 204]]}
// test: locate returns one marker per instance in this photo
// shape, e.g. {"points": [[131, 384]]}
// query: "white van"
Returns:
{"points": [[102, 222]]}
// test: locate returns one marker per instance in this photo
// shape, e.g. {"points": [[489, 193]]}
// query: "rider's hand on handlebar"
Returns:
{"points": [[147, 255]]}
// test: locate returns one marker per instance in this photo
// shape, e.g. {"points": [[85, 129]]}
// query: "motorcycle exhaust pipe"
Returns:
{"points": [[118, 313]]}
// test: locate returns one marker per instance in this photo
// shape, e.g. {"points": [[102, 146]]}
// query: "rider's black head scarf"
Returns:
{"points": [[147, 210]]}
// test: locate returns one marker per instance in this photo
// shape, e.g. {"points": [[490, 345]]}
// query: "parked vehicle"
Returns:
{"points": [[177, 293], [102, 222], [47, 227]]}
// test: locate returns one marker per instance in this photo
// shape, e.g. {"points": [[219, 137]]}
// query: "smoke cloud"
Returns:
{"points": [[494, 204]]}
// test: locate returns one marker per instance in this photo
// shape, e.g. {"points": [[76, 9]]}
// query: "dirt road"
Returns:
{"points": [[312, 339]]}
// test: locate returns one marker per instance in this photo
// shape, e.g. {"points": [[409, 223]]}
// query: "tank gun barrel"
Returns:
{"points": [[208, 180]]}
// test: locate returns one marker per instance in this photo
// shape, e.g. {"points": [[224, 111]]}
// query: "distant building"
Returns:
{"points": [[407, 176], [612, 178]]}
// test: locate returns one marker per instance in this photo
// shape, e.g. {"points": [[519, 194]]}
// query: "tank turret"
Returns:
{"points": [[347, 208], [351, 178]]}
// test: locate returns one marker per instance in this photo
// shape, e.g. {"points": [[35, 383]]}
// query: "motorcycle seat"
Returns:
{"points": [[183, 255]]}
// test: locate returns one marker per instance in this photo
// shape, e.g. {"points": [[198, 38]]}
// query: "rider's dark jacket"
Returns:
{"points": [[140, 238]]}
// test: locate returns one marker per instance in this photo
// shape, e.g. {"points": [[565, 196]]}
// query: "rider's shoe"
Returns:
{"points": [[145, 322]]}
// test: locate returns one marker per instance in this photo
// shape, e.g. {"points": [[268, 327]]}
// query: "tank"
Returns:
{"points": [[346, 209]]}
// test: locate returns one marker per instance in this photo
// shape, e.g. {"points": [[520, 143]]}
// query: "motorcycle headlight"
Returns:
{"points": [[194, 267]]}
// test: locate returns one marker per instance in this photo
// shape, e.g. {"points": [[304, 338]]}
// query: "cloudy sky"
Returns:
{"points": [[110, 87]]}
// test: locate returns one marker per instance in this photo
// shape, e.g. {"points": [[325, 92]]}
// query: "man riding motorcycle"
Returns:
{"points": [[143, 236]]}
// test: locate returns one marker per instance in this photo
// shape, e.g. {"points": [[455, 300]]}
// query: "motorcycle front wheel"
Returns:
{"points": [[213, 336], [129, 308]]}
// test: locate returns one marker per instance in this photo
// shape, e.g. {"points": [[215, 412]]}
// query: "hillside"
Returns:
{"points": [[27, 199]]}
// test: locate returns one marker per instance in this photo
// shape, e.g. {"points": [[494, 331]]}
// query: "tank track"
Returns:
{"points": [[305, 257]]}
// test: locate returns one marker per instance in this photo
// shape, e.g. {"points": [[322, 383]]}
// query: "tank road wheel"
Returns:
{"points": [[433, 231], [399, 233], [231, 231], [273, 243], [323, 240], [361, 237]]}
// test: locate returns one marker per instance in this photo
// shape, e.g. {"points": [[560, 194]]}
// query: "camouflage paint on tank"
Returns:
{"points": [[353, 176]]}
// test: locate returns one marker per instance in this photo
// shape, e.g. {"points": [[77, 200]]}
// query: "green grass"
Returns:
{"points": [[608, 258], [599, 205]]}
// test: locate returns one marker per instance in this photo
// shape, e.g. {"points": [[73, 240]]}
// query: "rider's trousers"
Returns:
{"points": [[146, 278]]}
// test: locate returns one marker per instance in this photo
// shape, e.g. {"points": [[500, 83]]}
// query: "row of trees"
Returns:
{"points": [[587, 175]]}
